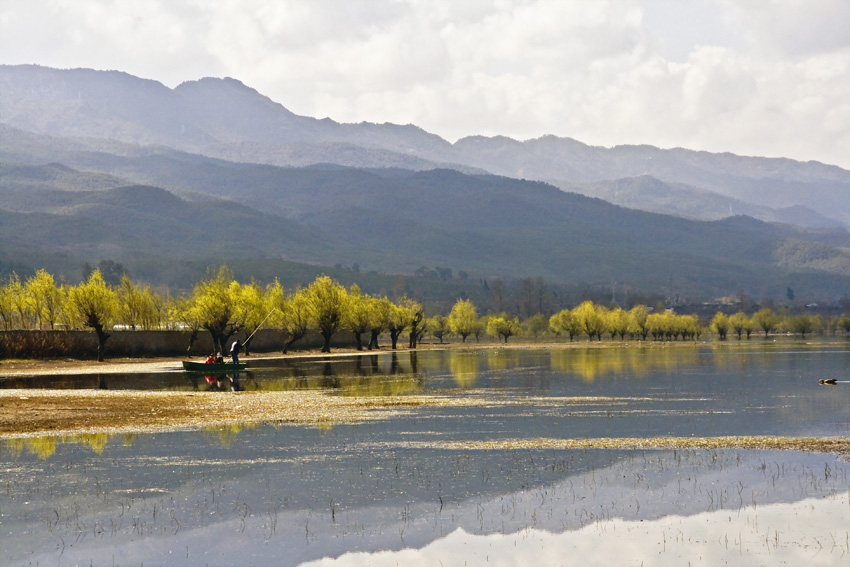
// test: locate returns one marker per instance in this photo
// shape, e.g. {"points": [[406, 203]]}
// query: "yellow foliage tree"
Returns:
{"points": [[94, 304]]}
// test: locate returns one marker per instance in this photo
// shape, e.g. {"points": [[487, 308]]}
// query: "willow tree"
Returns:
{"points": [[637, 320], [379, 316], [398, 319], [439, 326], [213, 303], [6, 309], [536, 325], [140, 307], [45, 299], [692, 326], [94, 304], [564, 322], [291, 315], [741, 324], [617, 323], [843, 323], [503, 326], [14, 303], [591, 319], [358, 315], [463, 318], [803, 324], [766, 319], [415, 320], [720, 325], [180, 311], [252, 306], [326, 301]]}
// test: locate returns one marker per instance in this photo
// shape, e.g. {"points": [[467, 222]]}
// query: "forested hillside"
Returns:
{"points": [[396, 221]]}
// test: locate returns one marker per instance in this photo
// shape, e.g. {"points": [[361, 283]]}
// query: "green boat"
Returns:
{"points": [[212, 368]]}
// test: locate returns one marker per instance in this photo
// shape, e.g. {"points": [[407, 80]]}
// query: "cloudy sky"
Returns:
{"points": [[754, 77]]}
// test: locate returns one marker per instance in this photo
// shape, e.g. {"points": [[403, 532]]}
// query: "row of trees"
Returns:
{"points": [[767, 321], [226, 308], [591, 320]]}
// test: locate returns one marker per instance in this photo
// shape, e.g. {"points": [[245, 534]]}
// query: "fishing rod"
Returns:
{"points": [[260, 325]]}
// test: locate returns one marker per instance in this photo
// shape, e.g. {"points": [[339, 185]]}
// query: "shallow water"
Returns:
{"points": [[396, 490]]}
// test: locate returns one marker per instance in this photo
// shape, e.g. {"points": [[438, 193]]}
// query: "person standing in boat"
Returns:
{"points": [[234, 351]]}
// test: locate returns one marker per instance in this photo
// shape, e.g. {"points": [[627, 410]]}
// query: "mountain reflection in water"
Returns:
{"points": [[404, 490]]}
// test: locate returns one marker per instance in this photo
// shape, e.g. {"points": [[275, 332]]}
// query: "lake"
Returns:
{"points": [[489, 481]]}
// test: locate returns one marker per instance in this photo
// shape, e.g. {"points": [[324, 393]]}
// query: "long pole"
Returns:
{"points": [[260, 325]]}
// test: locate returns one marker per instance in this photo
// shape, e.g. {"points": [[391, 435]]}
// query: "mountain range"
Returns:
{"points": [[100, 164]]}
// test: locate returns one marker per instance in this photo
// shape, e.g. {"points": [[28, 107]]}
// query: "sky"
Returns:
{"points": [[752, 77]]}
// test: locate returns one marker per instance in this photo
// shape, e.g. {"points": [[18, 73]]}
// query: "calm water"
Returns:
{"points": [[400, 491]]}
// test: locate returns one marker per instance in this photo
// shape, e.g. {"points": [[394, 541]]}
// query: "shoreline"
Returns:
{"points": [[62, 366], [27, 413]]}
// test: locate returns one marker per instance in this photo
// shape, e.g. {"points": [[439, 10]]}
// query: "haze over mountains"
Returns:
{"points": [[106, 165]]}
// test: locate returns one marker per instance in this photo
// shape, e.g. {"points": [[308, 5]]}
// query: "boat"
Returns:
{"points": [[193, 366]]}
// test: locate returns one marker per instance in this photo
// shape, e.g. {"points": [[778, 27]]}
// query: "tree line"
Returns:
{"points": [[226, 308]]}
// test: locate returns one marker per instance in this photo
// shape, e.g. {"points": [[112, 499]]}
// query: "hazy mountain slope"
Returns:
{"points": [[646, 193], [224, 118], [129, 222], [399, 220], [217, 117], [772, 183]]}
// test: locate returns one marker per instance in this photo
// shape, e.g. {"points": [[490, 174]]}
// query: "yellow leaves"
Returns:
{"points": [[327, 301], [463, 318], [503, 326], [93, 303]]}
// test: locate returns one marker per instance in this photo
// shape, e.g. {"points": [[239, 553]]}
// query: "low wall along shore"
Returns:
{"points": [[83, 344]]}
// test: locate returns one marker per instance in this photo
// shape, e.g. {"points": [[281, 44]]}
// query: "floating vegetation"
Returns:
{"points": [[839, 445], [63, 412]]}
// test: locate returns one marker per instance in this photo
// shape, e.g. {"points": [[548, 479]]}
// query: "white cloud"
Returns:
{"points": [[756, 77]]}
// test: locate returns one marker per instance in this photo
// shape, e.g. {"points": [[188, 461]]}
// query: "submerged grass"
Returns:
{"points": [[64, 413], [33, 412], [837, 445]]}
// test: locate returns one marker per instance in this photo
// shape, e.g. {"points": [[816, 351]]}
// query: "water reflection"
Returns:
{"points": [[218, 382], [406, 488], [396, 373], [342, 500], [751, 536], [588, 364], [464, 367], [45, 447]]}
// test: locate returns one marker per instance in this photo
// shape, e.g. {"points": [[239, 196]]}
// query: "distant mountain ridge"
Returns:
{"points": [[647, 193], [226, 119]]}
